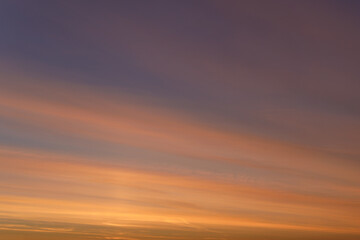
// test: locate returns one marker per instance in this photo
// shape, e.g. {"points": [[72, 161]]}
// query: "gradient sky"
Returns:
{"points": [[179, 120]]}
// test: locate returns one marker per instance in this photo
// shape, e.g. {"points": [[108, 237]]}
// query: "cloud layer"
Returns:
{"points": [[207, 120]]}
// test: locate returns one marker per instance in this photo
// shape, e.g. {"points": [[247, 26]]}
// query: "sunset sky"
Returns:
{"points": [[179, 120]]}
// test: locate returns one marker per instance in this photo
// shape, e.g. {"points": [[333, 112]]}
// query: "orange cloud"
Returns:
{"points": [[40, 185]]}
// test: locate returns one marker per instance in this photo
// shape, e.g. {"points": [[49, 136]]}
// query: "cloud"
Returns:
{"points": [[216, 120]]}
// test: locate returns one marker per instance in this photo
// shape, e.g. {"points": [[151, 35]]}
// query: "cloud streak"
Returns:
{"points": [[275, 190], [192, 120]]}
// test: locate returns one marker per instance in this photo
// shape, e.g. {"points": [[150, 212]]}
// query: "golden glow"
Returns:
{"points": [[46, 186], [179, 120]]}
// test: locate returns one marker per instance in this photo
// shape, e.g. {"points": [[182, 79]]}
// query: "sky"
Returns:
{"points": [[179, 120]]}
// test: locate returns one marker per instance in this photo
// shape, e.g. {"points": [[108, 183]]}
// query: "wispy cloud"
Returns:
{"points": [[209, 120]]}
